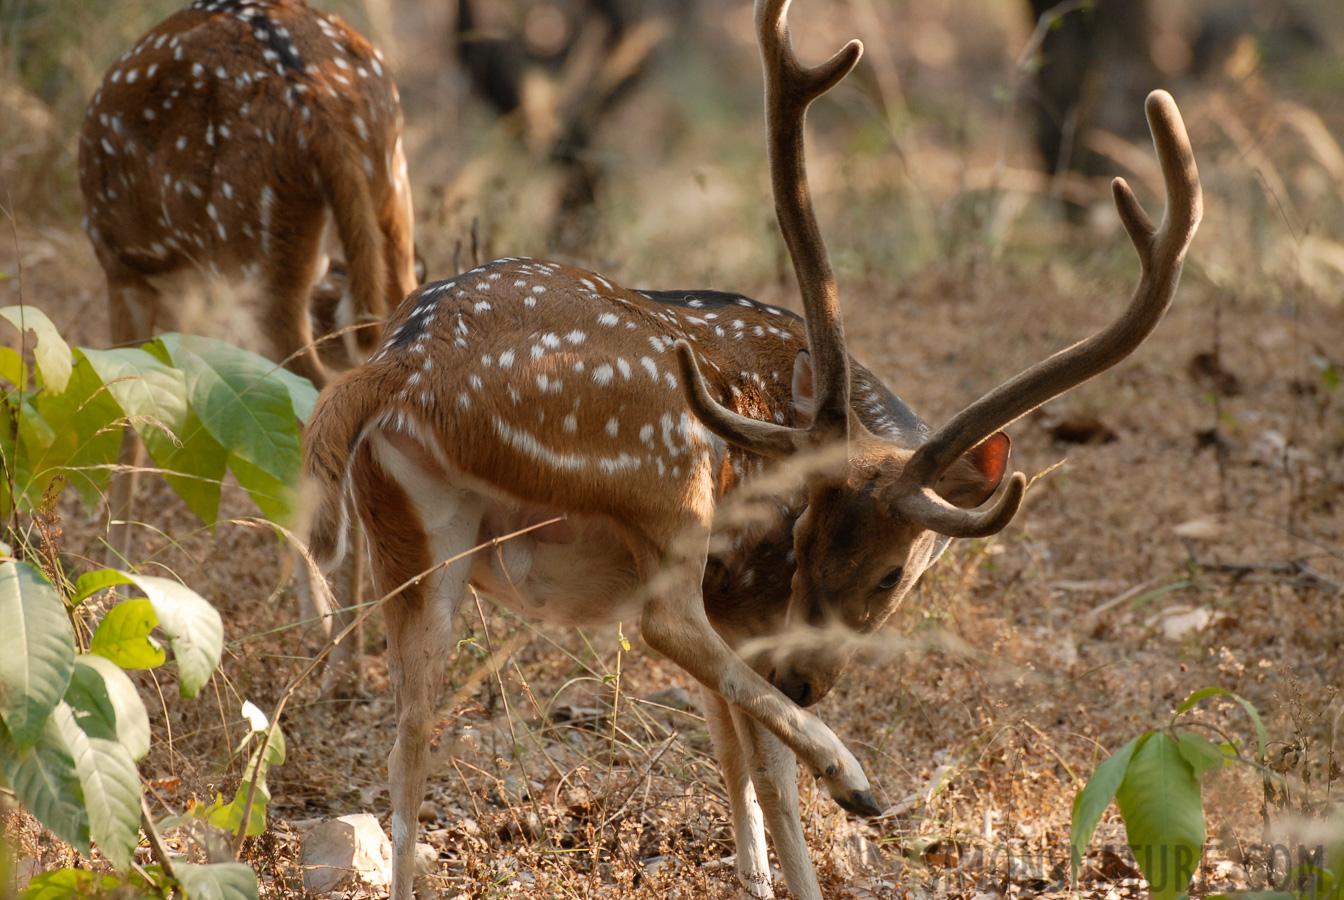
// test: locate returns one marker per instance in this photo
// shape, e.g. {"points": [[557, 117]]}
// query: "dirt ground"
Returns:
{"points": [[1184, 531]]}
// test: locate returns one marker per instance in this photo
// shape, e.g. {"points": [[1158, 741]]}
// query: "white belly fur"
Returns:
{"points": [[578, 571]]}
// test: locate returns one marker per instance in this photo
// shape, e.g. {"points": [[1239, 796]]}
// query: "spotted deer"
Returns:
{"points": [[625, 423], [214, 157]]}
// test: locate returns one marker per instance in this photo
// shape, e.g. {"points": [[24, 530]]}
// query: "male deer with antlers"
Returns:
{"points": [[214, 157], [523, 391]]}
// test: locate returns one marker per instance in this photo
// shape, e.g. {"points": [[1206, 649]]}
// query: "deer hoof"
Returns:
{"points": [[860, 803]]}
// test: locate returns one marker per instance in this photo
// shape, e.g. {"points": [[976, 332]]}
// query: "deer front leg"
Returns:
{"points": [[774, 772], [674, 623], [753, 867]]}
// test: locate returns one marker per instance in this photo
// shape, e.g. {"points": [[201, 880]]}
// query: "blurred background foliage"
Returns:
{"points": [[624, 133]]}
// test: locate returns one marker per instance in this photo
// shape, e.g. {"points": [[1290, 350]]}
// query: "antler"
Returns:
{"points": [[1161, 252], [790, 87]]}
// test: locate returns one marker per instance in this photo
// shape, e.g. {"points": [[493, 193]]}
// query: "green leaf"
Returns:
{"points": [[107, 705], [111, 788], [86, 441], [219, 881], [37, 651], [302, 394], [12, 368], [153, 396], [275, 498], [1203, 755], [69, 884], [243, 406], [193, 628], [227, 817], [123, 636], [1090, 803], [34, 428], [51, 352], [11, 473], [46, 783], [1160, 803], [91, 583], [195, 469], [1261, 735]]}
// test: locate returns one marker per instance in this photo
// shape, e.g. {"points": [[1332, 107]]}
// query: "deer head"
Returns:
{"points": [[875, 513]]}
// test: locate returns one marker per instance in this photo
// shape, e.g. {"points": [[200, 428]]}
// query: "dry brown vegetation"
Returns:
{"points": [[1191, 539]]}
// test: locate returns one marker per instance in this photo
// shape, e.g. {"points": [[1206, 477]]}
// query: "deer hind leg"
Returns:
{"points": [[753, 867], [343, 677], [286, 320], [674, 623], [413, 523]]}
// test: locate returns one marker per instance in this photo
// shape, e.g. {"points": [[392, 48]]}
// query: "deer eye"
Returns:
{"points": [[891, 579]]}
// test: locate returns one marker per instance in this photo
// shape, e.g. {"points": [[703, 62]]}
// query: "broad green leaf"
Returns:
{"points": [[107, 705], [1090, 803], [302, 394], [153, 396], [36, 431], [51, 352], [12, 368], [69, 884], [124, 636], [1202, 754], [1160, 803], [276, 499], [91, 583], [219, 881], [45, 782], [192, 626], [111, 787], [227, 817], [1261, 735], [86, 441], [195, 469], [240, 402], [11, 473], [37, 651]]}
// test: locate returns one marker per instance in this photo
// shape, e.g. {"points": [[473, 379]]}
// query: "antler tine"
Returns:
{"points": [[1161, 253], [790, 87]]}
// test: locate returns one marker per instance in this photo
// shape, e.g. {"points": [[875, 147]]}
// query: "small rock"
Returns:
{"points": [[1204, 528], [1178, 622], [428, 812], [351, 851], [655, 864]]}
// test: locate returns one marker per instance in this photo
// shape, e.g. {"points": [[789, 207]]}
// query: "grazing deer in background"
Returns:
{"points": [[526, 391], [215, 155]]}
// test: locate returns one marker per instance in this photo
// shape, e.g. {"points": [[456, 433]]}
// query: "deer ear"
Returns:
{"points": [[975, 477], [804, 398]]}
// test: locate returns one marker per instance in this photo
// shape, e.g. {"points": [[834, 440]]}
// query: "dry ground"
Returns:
{"points": [[1192, 540]]}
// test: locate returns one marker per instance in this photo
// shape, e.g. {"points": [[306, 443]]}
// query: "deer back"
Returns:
{"points": [[223, 140]]}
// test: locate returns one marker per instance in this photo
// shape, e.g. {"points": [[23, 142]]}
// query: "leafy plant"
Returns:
{"points": [[72, 724], [1155, 781], [201, 406]]}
